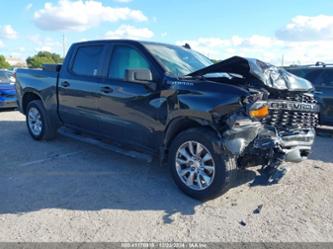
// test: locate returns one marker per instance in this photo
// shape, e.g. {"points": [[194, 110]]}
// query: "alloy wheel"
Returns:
{"points": [[35, 121], [195, 165]]}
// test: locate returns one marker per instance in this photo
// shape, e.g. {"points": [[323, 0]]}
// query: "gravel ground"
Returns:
{"points": [[65, 190]]}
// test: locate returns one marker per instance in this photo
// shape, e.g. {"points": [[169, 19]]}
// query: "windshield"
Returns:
{"points": [[6, 77], [176, 60]]}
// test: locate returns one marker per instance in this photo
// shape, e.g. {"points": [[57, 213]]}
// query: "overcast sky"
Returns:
{"points": [[296, 31]]}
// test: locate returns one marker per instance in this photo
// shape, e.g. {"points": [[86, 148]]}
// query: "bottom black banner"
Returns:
{"points": [[86, 245]]}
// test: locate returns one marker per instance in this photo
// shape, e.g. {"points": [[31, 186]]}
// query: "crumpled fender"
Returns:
{"points": [[242, 131]]}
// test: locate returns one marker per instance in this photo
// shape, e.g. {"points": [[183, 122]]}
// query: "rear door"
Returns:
{"points": [[80, 87]]}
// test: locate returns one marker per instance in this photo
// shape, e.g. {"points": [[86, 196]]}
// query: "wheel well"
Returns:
{"points": [[181, 125], [27, 98]]}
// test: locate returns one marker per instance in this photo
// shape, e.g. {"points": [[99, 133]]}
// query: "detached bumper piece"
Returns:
{"points": [[297, 144]]}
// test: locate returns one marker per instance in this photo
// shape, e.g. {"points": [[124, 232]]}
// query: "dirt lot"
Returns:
{"points": [[65, 190]]}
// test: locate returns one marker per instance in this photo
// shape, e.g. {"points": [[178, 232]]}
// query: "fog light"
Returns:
{"points": [[261, 112]]}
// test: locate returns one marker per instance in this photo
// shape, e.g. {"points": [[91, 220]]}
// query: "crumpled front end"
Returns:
{"points": [[295, 117], [287, 133], [278, 120]]}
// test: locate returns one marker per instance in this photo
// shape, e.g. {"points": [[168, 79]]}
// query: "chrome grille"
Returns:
{"points": [[302, 98], [287, 119]]}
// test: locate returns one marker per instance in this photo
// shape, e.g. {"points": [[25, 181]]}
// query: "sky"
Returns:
{"points": [[279, 32]]}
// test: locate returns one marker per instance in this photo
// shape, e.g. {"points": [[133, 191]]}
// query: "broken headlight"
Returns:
{"points": [[255, 106], [258, 110], [254, 97]]}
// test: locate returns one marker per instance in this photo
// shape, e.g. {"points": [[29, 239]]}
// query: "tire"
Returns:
{"points": [[44, 131], [203, 140]]}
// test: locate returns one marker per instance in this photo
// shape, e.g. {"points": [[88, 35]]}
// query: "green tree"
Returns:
{"points": [[43, 57], [215, 61], [3, 62]]}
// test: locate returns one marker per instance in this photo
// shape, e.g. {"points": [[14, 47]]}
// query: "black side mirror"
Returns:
{"points": [[141, 76], [138, 75]]}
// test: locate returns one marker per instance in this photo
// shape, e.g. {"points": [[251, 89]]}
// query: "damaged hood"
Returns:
{"points": [[269, 75]]}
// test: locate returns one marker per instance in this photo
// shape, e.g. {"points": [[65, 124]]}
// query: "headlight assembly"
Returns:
{"points": [[259, 110]]}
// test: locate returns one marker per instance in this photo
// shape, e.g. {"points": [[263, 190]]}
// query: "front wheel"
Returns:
{"points": [[198, 167], [38, 123]]}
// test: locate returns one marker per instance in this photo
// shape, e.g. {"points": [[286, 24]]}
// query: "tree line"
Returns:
{"points": [[39, 59], [36, 61]]}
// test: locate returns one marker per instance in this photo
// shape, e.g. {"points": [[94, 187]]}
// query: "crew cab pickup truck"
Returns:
{"points": [[206, 120]]}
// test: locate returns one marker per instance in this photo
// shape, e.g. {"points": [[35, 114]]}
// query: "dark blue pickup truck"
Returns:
{"points": [[206, 120], [321, 76]]}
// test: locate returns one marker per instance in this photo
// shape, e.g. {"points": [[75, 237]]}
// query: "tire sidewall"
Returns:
{"points": [[205, 138], [36, 104]]}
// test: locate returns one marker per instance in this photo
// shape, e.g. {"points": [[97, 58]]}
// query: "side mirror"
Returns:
{"points": [[141, 76], [138, 75]]}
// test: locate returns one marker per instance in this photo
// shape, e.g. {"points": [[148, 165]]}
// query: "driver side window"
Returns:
{"points": [[124, 57]]}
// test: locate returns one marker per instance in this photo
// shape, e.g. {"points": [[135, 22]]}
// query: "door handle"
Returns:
{"points": [[65, 84], [106, 89]]}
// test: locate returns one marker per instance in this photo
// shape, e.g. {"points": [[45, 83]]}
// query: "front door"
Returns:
{"points": [[129, 113]]}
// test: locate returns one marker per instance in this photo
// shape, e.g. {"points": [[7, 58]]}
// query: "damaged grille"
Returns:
{"points": [[282, 119]]}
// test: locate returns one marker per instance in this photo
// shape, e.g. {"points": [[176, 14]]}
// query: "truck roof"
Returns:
{"points": [[129, 41]]}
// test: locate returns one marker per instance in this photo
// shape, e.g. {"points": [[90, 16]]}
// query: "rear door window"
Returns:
{"points": [[88, 61], [125, 57]]}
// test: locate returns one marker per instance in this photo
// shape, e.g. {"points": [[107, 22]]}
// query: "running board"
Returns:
{"points": [[109, 146]]}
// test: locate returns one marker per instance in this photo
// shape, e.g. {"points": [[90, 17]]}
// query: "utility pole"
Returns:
{"points": [[282, 60]]}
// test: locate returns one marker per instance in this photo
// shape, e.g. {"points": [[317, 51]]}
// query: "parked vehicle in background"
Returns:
{"points": [[321, 76], [7, 90], [207, 120]]}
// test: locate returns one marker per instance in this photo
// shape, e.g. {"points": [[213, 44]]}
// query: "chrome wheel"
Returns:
{"points": [[195, 165], [35, 121]]}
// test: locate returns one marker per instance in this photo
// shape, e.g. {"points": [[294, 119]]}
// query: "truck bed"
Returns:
{"points": [[38, 78], [42, 82]]}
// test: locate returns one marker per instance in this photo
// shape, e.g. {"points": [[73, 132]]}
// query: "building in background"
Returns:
{"points": [[16, 62]]}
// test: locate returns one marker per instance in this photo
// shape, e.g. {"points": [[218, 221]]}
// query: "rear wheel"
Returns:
{"points": [[197, 165], [38, 123]]}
